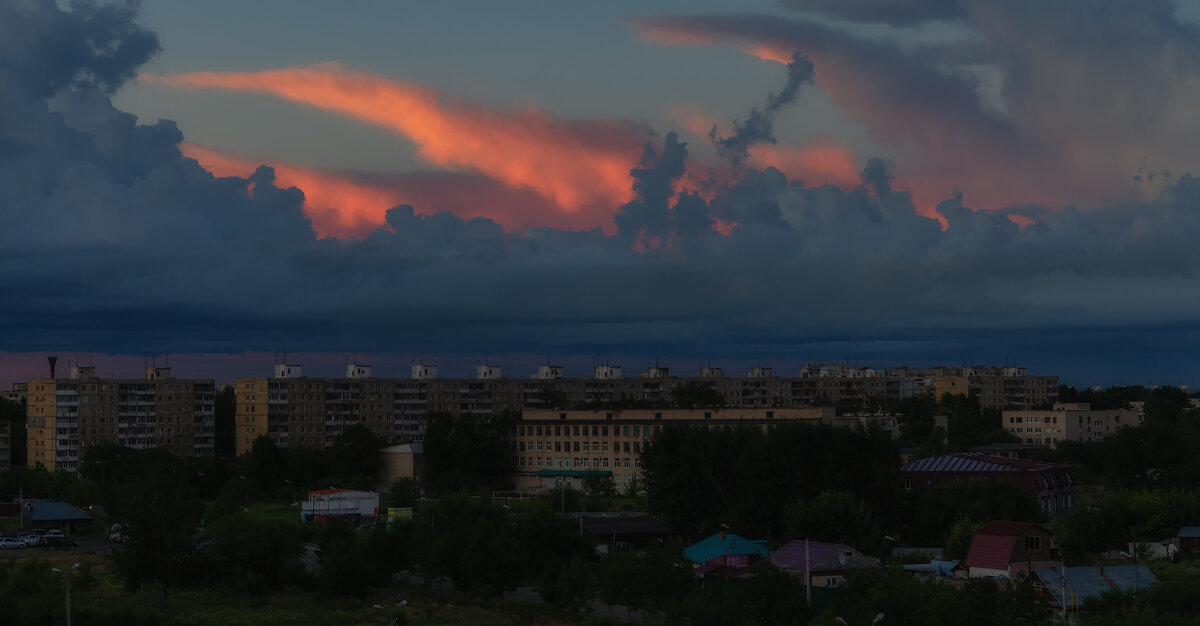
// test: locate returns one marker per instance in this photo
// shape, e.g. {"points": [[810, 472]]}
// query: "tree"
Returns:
{"points": [[160, 512], [836, 517], [225, 422], [355, 453], [253, 555], [14, 414], [598, 484], [467, 452], [746, 477], [938, 509], [696, 394]]}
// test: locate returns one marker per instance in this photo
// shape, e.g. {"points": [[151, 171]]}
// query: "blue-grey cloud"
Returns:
{"points": [[114, 242], [758, 127], [894, 12], [1054, 103]]}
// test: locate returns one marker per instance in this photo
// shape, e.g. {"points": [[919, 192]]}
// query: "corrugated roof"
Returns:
{"points": [[822, 557], [717, 546], [1090, 582], [990, 551], [975, 462], [55, 512]]}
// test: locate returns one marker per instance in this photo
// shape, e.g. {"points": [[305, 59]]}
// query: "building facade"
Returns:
{"points": [[551, 446], [1068, 421], [999, 387], [295, 410], [5, 445], [1050, 483], [66, 415]]}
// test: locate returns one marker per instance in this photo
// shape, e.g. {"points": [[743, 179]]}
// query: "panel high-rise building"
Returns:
{"points": [[65, 416], [295, 410]]}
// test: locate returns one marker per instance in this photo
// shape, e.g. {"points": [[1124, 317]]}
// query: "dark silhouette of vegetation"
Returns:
{"points": [[467, 452], [746, 477]]}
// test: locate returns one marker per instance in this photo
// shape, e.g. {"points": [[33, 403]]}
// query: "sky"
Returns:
{"points": [[879, 182]]}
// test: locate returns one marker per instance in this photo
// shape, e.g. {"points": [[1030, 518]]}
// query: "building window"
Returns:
{"points": [[1033, 543]]}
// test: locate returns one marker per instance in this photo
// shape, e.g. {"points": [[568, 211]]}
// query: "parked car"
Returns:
{"points": [[58, 542], [30, 539], [10, 543], [55, 533]]}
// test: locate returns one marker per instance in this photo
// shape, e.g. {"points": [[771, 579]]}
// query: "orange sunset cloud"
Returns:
{"points": [[571, 163]]}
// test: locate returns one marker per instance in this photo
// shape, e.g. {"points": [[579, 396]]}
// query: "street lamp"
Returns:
{"points": [[899, 545], [66, 587], [1137, 571], [391, 610]]}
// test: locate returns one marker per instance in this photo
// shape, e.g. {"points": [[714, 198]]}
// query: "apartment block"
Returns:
{"points": [[66, 415], [552, 446], [999, 387], [1068, 421], [5, 445], [295, 410]]}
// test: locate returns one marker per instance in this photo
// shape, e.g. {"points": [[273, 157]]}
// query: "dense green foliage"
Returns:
{"points": [[904, 599], [13, 414], [467, 452], [934, 512], [699, 478]]}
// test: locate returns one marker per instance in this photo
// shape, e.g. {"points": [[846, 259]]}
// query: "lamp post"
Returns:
{"points": [[1137, 571], [66, 586]]}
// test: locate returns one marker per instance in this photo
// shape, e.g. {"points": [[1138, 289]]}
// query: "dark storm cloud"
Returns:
{"points": [[894, 12], [94, 45], [113, 242], [758, 126]]}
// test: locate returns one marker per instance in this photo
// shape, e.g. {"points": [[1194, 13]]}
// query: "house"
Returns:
{"points": [[609, 532], [1050, 483], [1070, 587], [1006, 549], [725, 555], [936, 568], [824, 564], [1188, 541], [55, 515], [346, 504]]}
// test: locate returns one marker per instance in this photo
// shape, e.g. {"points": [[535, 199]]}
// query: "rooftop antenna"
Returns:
{"points": [[52, 360]]}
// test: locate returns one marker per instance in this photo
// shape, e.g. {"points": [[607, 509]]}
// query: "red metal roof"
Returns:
{"points": [[976, 462], [990, 551]]}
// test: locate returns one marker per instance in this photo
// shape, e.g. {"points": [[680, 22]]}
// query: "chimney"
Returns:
{"points": [[52, 360]]}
